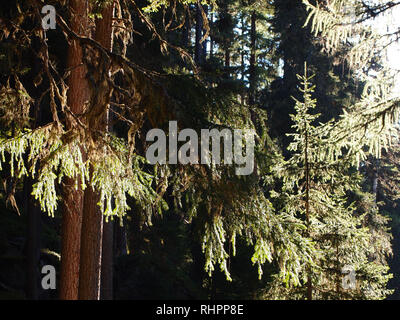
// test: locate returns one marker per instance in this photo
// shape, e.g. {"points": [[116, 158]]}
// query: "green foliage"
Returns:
{"points": [[315, 190], [301, 219], [155, 5], [115, 172], [355, 28]]}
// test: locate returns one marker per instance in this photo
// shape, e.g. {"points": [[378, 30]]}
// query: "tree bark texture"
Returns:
{"points": [[78, 94], [92, 222]]}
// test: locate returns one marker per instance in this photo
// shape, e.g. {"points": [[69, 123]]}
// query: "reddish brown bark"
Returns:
{"points": [[92, 223], [91, 242], [78, 94]]}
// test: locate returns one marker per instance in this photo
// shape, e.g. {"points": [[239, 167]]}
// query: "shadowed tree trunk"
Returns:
{"points": [[204, 44], [252, 68], [32, 244], [187, 31], [307, 203], [78, 94], [107, 261], [242, 58], [120, 236], [375, 180], [34, 227], [198, 48], [228, 59], [211, 34], [91, 245], [92, 223]]}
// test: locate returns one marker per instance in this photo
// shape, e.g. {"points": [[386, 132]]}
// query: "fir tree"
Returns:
{"points": [[355, 29], [315, 189]]}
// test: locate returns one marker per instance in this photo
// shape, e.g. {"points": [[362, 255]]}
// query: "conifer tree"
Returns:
{"points": [[78, 95], [305, 219], [364, 32], [72, 146], [337, 85], [92, 220], [316, 189]]}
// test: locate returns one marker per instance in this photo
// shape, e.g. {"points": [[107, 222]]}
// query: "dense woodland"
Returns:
{"points": [[310, 78]]}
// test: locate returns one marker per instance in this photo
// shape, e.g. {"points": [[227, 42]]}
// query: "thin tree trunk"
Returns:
{"points": [[92, 222], [307, 173], [375, 181], [107, 261], [338, 273], [199, 31], [78, 94], [204, 44], [32, 245], [107, 254], [211, 35], [307, 202], [121, 240], [33, 239], [186, 37], [252, 68], [242, 56]]}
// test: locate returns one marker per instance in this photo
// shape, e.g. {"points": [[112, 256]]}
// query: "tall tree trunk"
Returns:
{"points": [[375, 180], [107, 254], [252, 68], [307, 203], [78, 94], [242, 57], [92, 222], [33, 239], [120, 236], [228, 59], [32, 244], [91, 245], [199, 33], [187, 30], [204, 43], [338, 273], [211, 35], [107, 261]]}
